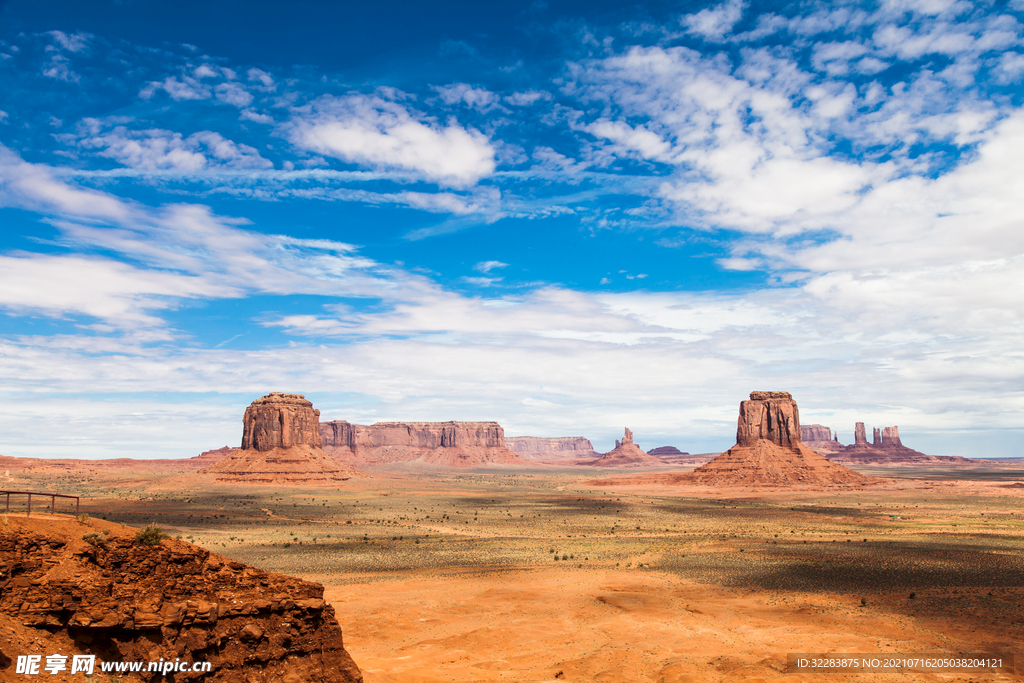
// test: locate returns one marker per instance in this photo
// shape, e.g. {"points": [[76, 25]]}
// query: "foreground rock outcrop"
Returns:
{"points": [[451, 444], [769, 451], [627, 454], [118, 599], [558, 448], [280, 445]]}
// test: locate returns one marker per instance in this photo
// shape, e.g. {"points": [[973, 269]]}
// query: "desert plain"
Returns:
{"points": [[581, 574]]}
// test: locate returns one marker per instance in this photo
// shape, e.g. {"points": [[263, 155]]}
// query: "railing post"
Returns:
{"points": [[76, 506], [28, 512], [53, 504]]}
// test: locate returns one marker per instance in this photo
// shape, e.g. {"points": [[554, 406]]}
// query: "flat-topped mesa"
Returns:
{"points": [[280, 421], [819, 438], [551, 448], [440, 443], [811, 433], [769, 415]]}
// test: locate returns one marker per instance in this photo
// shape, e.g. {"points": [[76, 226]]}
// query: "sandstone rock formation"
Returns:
{"points": [[558, 448], [768, 450], [814, 433], [859, 434], [211, 456], [891, 436], [280, 445], [819, 438], [770, 416], [453, 444], [626, 454], [887, 450], [280, 421], [121, 600]]}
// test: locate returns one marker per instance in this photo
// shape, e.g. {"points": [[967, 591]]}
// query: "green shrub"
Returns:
{"points": [[151, 535], [82, 518], [95, 538]]}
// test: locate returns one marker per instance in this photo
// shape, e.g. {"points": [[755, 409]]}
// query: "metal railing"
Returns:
{"points": [[52, 496]]}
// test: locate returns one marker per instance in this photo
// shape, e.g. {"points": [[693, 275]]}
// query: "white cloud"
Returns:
{"points": [[187, 88], [233, 94], [163, 150], [487, 266], [463, 93], [58, 68], [33, 187], [714, 22], [639, 140], [179, 251], [252, 115], [383, 134], [102, 288], [527, 98], [75, 42], [260, 76], [483, 201]]}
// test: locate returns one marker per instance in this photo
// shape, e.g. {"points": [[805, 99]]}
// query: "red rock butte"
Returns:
{"points": [[769, 451], [280, 445], [885, 449], [450, 444], [627, 454]]}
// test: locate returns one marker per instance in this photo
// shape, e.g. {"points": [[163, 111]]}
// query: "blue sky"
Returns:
{"points": [[568, 217]]}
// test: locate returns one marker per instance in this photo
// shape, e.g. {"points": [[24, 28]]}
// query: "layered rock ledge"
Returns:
{"points": [[121, 600]]}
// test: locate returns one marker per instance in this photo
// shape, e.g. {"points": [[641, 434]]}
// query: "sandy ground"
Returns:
{"points": [[627, 626], [450, 576]]}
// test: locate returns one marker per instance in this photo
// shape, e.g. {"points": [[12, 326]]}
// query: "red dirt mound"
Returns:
{"points": [[301, 464]]}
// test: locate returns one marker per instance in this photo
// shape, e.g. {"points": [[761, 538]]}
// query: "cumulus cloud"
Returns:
{"points": [[384, 134], [260, 76], [186, 88], [233, 94], [163, 150], [463, 93], [527, 98], [75, 42], [714, 22]]}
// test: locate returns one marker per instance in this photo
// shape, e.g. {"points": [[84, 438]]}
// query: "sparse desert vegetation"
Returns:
{"points": [[601, 580]]}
